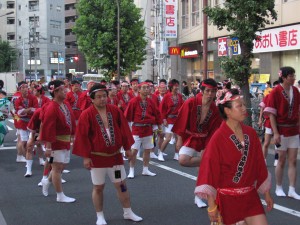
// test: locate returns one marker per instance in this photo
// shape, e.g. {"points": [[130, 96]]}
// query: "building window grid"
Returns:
{"points": [[185, 14], [196, 19], [11, 36], [10, 20], [10, 5], [33, 6]]}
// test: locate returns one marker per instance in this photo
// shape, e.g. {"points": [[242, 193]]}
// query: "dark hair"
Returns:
{"points": [[95, 87], [134, 80], [163, 81], [285, 71], [208, 81], [149, 81], [299, 82], [21, 83], [199, 81], [276, 82], [115, 82], [184, 82], [3, 92], [75, 82], [228, 104], [56, 84], [172, 83], [1, 84]]}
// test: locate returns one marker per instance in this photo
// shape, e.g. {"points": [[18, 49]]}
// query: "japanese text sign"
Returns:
{"points": [[170, 11]]}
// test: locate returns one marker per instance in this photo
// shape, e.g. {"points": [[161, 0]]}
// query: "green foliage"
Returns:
{"points": [[8, 56], [96, 32], [243, 19]]}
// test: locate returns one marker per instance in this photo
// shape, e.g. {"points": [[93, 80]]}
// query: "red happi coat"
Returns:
{"points": [[169, 107], [144, 113], [155, 99], [124, 99], [227, 163], [25, 103], [187, 125], [73, 99], [267, 122], [84, 100], [112, 101], [91, 136], [57, 123], [35, 122], [285, 111], [42, 101], [13, 110]]}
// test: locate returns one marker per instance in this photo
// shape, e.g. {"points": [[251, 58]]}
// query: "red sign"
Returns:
{"points": [[174, 51], [222, 46]]}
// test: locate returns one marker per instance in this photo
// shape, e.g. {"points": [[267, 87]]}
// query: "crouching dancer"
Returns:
{"points": [[101, 132]]}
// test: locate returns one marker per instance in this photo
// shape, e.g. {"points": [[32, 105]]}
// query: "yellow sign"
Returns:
{"points": [[264, 78]]}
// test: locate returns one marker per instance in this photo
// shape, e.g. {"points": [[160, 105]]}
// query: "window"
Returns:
{"points": [[195, 12], [20, 23], [185, 15], [55, 39], [51, 6], [55, 24], [34, 21], [58, 8], [10, 5], [10, 20], [11, 36], [20, 7], [33, 6], [34, 53]]}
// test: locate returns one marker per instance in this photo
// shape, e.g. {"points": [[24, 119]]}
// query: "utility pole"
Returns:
{"points": [[118, 39], [35, 43], [204, 41]]}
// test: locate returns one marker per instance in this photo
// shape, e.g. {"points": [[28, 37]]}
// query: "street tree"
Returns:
{"points": [[8, 56], [242, 19], [96, 32]]}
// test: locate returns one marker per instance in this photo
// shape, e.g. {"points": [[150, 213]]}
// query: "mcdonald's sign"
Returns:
{"points": [[174, 51]]}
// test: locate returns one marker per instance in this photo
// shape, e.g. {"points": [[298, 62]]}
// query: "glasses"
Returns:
{"points": [[145, 87]]}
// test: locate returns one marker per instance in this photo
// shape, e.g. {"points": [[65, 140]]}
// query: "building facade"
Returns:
{"points": [[75, 60], [279, 45], [36, 30]]}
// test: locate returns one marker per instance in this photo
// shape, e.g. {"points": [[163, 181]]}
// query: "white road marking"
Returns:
{"points": [[7, 148], [278, 207], [2, 220], [9, 128], [11, 120]]}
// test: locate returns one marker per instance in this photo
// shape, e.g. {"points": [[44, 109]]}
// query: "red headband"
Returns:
{"points": [[208, 86]]}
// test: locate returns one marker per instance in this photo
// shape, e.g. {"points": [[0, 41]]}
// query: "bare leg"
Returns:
{"points": [[97, 196], [257, 220], [292, 165], [165, 143], [123, 197], [280, 167], [266, 144]]}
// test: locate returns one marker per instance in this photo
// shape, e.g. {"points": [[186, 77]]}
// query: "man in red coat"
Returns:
{"points": [[143, 114], [84, 99], [102, 131], [73, 98], [197, 121], [58, 127], [26, 104]]}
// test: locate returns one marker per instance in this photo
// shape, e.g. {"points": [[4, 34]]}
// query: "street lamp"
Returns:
{"points": [[9, 13]]}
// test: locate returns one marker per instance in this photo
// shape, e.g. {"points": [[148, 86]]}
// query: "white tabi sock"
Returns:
{"points": [[29, 165], [100, 218]]}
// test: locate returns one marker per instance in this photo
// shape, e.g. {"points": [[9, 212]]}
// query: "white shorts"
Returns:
{"points": [[146, 142], [268, 130], [24, 134], [288, 142], [168, 129], [98, 174], [18, 132], [188, 151], [61, 156]]}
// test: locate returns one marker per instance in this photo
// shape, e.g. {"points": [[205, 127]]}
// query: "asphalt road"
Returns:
{"points": [[166, 199]]}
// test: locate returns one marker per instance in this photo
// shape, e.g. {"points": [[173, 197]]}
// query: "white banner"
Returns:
{"points": [[170, 12], [278, 39]]}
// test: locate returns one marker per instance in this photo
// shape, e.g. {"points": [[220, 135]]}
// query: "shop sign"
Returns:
{"points": [[278, 39], [184, 53], [174, 50], [222, 46], [170, 11]]}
